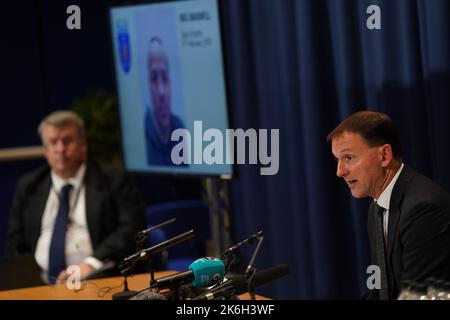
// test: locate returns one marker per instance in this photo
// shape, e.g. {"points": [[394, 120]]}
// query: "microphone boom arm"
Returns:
{"points": [[131, 260], [250, 271]]}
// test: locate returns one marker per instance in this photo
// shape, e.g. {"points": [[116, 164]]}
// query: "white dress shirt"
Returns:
{"points": [[384, 200], [78, 247]]}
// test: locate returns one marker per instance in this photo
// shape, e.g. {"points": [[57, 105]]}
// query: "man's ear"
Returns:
{"points": [[386, 155]]}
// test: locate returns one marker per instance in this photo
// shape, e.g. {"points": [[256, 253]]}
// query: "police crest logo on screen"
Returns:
{"points": [[123, 40]]}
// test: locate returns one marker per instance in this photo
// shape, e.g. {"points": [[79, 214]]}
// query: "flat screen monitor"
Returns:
{"points": [[171, 88]]}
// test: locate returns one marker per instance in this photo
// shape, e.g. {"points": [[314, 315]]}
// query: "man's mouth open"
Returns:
{"points": [[351, 183]]}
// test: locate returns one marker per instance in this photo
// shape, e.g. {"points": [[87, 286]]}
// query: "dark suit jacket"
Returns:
{"points": [[114, 212], [418, 240]]}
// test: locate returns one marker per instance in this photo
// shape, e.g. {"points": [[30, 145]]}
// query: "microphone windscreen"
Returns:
{"points": [[207, 271]]}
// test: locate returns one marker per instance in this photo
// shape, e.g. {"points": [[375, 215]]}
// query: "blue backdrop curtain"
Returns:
{"points": [[302, 66]]}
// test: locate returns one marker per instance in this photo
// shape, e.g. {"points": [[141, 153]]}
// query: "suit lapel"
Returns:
{"points": [[371, 231], [370, 222], [37, 212], [395, 206], [93, 204], [394, 217]]}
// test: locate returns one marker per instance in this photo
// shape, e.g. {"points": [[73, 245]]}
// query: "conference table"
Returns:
{"points": [[96, 289]]}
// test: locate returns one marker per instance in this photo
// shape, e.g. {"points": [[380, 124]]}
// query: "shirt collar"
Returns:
{"points": [[385, 197], [76, 180]]}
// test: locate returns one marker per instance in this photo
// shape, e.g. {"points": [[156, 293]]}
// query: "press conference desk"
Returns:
{"points": [[98, 289]]}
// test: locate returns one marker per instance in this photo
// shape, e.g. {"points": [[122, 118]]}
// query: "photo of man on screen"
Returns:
{"points": [[159, 120]]}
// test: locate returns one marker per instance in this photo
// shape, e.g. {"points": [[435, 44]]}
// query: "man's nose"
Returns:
{"points": [[161, 88], [341, 170], [60, 145]]}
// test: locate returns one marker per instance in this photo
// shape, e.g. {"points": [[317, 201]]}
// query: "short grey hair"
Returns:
{"points": [[157, 40], [62, 119]]}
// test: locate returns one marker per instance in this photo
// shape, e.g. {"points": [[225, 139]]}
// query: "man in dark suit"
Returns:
{"points": [[409, 219], [73, 211]]}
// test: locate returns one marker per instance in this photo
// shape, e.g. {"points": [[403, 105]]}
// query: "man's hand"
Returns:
{"points": [[85, 269]]}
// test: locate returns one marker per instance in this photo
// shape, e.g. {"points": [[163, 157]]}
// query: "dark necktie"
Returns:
{"points": [[57, 261], [380, 251]]}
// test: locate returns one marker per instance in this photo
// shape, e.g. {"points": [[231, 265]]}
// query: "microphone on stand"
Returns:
{"points": [[202, 273], [129, 262], [229, 255], [141, 236], [247, 241]]}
